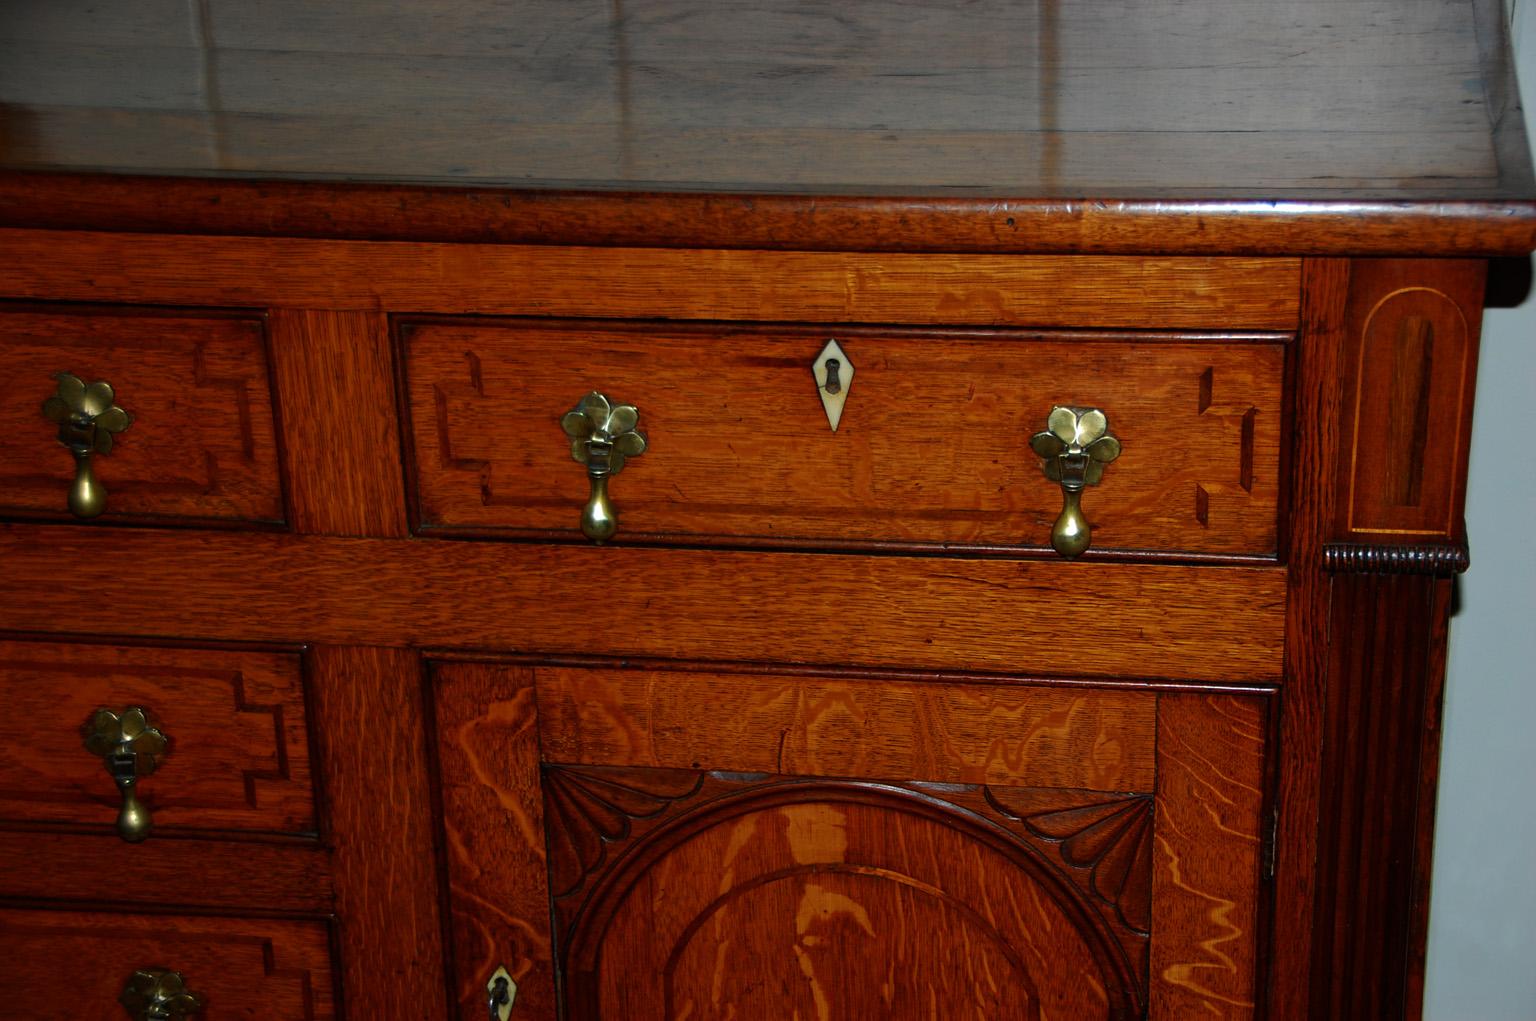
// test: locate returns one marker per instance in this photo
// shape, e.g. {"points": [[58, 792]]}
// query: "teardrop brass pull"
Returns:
{"points": [[87, 421], [130, 748], [1076, 446], [153, 994], [602, 436]]}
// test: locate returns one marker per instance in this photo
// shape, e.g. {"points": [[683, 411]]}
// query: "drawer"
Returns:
{"points": [[932, 450], [201, 446], [710, 842], [74, 965], [237, 750]]}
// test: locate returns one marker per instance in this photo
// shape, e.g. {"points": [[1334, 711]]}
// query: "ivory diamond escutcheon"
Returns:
{"points": [[834, 376]]}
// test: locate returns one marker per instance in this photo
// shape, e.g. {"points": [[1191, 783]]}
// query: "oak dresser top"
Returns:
{"points": [[1253, 126]]}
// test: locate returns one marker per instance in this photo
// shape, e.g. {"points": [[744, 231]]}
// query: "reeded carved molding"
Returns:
{"points": [[1361, 558]]}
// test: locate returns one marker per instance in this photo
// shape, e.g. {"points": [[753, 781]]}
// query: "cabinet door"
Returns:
{"points": [[761, 845]]}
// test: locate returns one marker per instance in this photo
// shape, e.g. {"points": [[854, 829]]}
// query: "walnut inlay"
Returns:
{"points": [[1407, 426], [1411, 391]]}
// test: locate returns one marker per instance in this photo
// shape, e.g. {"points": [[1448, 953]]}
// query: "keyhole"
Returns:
{"points": [[834, 385], [499, 998]]}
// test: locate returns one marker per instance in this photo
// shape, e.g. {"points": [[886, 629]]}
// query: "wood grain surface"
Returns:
{"points": [[1010, 617], [1207, 856], [487, 739], [823, 900], [238, 756], [371, 740], [373, 211], [1338, 100], [78, 962], [1319, 401], [202, 445], [932, 446], [1410, 365], [947, 733], [334, 379], [1237, 293], [1381, 743], [213, 874]]}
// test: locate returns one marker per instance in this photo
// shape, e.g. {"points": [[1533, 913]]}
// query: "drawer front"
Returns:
{"points": [[933, 446], [201, 446], [237, 750], [767, 845], [74, 966]]}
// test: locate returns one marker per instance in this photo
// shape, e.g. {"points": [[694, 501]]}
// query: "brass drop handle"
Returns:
{"points": [[87, 421], [602, 436], [130, 747], [154, 994], [1076, 445]]}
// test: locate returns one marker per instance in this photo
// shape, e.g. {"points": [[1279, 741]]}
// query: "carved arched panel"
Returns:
{"points": [[680, 893]]}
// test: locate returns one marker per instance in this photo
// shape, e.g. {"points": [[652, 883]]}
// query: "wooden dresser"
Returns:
{"points": [[735, 510]]}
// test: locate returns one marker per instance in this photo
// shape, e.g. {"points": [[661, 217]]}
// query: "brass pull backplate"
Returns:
{"points": [[1076, 445], [87, 421], [603, 435], [153, 994], [131, 748]]}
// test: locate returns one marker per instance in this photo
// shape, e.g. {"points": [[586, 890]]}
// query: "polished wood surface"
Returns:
{"points": [[487, 740], [667, 797], [1410, 374], [1325, 105], [339, 458], [56, 865], [370, 740], [1381, 743], [385, 212], [78, 962], [1146, 621], [1236, 293], [833, 726], [824, 897], [1191, 775], [238, 755], [1207, 856], [202, 446], [1299, 782], [931, 447]]}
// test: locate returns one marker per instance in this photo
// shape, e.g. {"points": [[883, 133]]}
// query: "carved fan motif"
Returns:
{"points": [[1113, 841], [588, 809]]}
